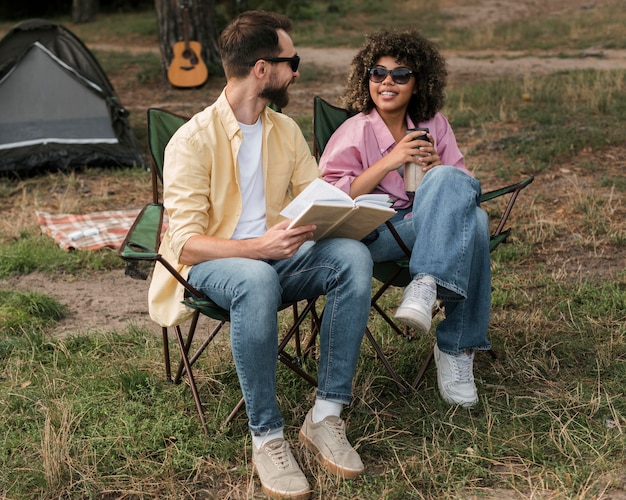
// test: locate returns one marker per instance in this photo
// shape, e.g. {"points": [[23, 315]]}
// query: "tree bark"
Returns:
{"points": [[84, 11], [202, 28]]}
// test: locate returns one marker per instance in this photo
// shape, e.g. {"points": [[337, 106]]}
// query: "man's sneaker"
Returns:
{"points": [[455, 377], [416, 309], [279, 472], [327, 440]]}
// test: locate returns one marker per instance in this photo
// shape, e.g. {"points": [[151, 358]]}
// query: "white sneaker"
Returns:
{"points": [[327, 440], [278, 471], [455, 377], [416, 309]]}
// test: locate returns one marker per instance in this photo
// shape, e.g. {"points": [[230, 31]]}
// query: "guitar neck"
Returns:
{"points": [[185, 8]]}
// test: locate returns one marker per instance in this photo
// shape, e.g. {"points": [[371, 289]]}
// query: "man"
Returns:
{"points": [[228, 173]]}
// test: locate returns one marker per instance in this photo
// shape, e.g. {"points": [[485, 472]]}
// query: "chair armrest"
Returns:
{"points": [[496, 239], [490, 195], [144, 237], [207, 307], [514, 190]]}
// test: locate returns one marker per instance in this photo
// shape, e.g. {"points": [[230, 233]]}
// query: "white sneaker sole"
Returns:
{"points": [[271, 492], [414, 318], [332, 467]]}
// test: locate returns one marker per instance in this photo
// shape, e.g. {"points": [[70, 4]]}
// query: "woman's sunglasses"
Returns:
{"points": [[294, 61], [398, 75]]}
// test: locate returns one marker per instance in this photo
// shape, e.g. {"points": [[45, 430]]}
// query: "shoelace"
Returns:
{"points": [[337, 429], [421, 291], [280, 456], [463, 368]]}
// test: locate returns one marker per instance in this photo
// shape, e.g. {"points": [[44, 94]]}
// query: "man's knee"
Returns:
{"points": [[357, 263], [260, 276]]}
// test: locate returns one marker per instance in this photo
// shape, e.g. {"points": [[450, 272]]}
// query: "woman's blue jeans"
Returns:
{"points": [[253, 290], [448, 235]]}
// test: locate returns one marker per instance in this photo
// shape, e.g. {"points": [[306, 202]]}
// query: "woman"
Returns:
{"points": [[397, 83]]}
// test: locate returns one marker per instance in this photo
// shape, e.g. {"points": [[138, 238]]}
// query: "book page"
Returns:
{"points": [[316, 191], [378, 199], [336, 214], [325, 215], [361, 222]]}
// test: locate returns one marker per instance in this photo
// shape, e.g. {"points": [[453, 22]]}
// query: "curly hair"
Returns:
{"points": [[414, 51]]}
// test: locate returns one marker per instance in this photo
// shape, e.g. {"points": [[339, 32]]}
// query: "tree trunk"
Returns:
{"points": [[84, 11], [202, 28]]}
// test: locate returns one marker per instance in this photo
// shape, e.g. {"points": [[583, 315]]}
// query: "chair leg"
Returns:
{"points": [[423, 369], [290, 361], [206, 342], [186, 346], [166, 354], [383, 359], [298, 344], [303, 352], [391, 322], [192, 328], [232, 414], [192, 380]]}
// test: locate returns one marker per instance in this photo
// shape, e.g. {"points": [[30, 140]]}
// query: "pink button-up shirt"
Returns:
{"points": [[364, 139]]}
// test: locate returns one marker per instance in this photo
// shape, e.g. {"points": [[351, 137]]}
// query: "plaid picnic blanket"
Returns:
{"points": [[90, 231]]}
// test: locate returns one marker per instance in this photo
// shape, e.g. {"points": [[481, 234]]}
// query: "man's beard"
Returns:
{"points": [[276, 95]]}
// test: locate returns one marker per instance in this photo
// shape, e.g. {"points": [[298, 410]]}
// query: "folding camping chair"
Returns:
{"points": [[326, 119], [142, 245]]}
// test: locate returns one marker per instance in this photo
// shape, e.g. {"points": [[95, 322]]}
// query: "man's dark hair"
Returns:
{"points": [[248, 37]]}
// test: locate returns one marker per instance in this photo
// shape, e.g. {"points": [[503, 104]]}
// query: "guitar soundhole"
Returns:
{"points": [[191, 56]]}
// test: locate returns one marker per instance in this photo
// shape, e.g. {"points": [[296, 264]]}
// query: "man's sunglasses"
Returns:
{"points": [[294, 61], [398, 75]]}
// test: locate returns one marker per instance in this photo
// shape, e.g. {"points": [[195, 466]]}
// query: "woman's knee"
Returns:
{"points": [[450, 183], [483, 220], [446, 175]]}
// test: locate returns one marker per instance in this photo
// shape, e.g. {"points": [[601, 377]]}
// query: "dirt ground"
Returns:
{"points": [[110, 300]]}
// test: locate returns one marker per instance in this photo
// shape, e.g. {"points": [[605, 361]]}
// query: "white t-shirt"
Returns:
{"points": [[252, 222]]}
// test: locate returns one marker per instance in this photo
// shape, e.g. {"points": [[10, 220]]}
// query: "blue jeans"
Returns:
{"points": [[448, 235], [253, 290]]}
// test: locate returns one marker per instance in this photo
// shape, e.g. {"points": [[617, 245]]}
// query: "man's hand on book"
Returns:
{"points": [[281, 243]]}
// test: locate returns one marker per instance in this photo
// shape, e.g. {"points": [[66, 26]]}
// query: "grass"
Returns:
{"points": [[40, 253], [597, 27], [333, 23], [22, 312], [552, 118], [91, 415]]}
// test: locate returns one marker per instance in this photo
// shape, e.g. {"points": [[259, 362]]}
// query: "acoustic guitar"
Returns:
{"points": [[187, 68]]}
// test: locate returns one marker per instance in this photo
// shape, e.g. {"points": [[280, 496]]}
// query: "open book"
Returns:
{"points": [[335, 214]]}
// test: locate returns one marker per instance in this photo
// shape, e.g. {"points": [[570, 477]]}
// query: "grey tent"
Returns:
{"points": [[58, 109]]}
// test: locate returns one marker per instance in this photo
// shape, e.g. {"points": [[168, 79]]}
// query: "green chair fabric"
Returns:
{"points": [[161, 126], [326, 119]]}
